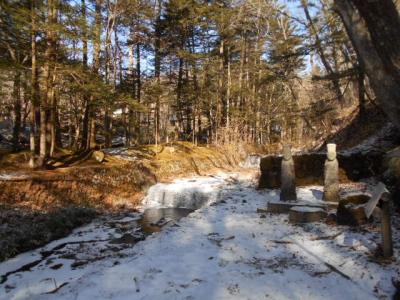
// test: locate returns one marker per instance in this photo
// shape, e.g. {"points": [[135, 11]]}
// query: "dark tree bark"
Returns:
{"points": [[89, 123], [46, 104], [34, 90], [383, 22], [361, 91], [157, 70], [17, 109], [138, 94], [374, 29]]}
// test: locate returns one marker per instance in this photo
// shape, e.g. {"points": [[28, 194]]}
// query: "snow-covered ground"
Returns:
{"points": [[224, 250]]}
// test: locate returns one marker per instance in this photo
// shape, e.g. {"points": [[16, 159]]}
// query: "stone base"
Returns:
{"points": [[281, 207], [306, 214]]}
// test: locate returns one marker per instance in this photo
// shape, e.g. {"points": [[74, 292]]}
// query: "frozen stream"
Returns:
{"points": [[222, 250]]}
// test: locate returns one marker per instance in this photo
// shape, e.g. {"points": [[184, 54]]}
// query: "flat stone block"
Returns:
{"points": [[306, 214], [280, 207]]}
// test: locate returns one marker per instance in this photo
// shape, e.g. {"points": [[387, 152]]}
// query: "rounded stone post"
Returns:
{"points": [[331, 175], [288, 186]]}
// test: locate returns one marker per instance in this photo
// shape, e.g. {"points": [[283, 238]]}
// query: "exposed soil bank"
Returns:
{"points": [[39, 206], [22, 230], [120, 180]]}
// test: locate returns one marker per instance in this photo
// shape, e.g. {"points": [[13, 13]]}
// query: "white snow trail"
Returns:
{"points": [[223, 250]]}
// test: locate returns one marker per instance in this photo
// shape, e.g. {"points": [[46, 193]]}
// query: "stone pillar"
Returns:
{"points": [[331, 175], [288, 186]]}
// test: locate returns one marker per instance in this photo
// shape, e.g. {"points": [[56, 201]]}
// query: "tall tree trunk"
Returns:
{"points": [[91, 141], [86, 98], [361, 91], [17, 109], [108, 74], [157, 71], [53, 118], [138, 94], [374, 29], [221, 83], [84, 35], [179, 96], [34, 89], [50, 58], [128, 112], [228, 98]]}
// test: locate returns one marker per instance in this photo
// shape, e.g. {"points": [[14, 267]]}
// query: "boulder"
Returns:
{"points": [[98, 155]]}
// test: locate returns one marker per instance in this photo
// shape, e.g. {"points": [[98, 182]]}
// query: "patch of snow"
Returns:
{"points": [[306, 209], [12, 176], [251, 161], [121, 153], [374, 142]]}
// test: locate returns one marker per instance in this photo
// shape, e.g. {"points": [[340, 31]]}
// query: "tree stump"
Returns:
{"points": [[351, 210], [99, 156], [306, 214]]}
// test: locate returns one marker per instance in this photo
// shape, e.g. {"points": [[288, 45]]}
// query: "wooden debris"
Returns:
{"points": [[326, 237]]}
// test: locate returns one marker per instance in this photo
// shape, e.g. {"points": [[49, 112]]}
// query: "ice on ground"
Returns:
{"points": [[123, 153], [221, 251], [190, 193]]}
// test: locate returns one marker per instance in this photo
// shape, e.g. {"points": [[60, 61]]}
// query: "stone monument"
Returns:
{"points": [[331, 175], [288, 186]]}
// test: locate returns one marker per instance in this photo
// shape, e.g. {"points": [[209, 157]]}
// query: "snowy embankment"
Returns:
{"points": [[224, 250]]}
